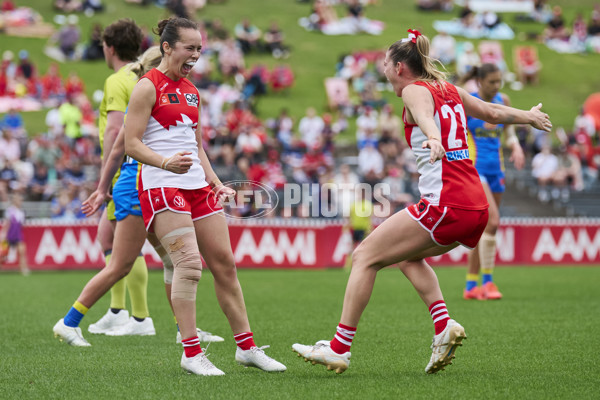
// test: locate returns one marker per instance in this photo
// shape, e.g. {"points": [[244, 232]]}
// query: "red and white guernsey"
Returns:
{"points": [[171, 129], [453, 181]]}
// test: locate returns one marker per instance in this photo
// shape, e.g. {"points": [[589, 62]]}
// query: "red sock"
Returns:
{"points": [[439, 314], [343, 339], [244, 340], [191, 346]]}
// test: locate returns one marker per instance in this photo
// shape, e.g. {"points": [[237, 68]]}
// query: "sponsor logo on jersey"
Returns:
{"points": [[489, 131], [192, 99], [457, 155], [178, 91], [169, 98]]}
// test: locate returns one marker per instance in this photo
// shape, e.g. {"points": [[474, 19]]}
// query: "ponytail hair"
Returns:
{"points": [[150, 59], [415, 54], [168, 30], [479, 72]]}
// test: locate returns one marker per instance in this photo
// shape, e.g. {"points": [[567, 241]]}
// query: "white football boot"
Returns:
{"points": [[203, 336], [444, 346], [134, 328], [200, 365], [109, 322], [256, 357], [69, 334], [321, 353]]}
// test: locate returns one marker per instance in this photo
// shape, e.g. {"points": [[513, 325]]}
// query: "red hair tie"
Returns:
{"points": [[413, 34]]}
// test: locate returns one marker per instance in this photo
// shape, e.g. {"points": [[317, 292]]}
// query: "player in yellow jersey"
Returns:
{"points": [[359, 222]]}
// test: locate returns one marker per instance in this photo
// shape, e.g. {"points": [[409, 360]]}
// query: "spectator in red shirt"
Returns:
{"points": [[74, 85], [52, 85], [274, 176], [314, 163]]}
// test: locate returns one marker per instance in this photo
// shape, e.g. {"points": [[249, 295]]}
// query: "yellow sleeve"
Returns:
{"points": [[117, 93]]}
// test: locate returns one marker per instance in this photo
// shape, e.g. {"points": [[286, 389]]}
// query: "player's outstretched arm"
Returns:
{"points": [[500, 114]]}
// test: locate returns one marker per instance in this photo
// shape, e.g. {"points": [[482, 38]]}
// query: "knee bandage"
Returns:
{"points": [[167, 263], [182, 249], [487, 251]]}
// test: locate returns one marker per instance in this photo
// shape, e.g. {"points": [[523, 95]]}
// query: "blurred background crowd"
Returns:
{"points": [[60, 166]]}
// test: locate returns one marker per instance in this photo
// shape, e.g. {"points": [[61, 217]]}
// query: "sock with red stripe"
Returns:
{"points": [[439, 314], [244, 340], [191, 346], [343, 339]]}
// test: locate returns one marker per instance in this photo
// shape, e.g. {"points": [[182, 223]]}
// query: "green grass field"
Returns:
{"points": [[566, 80], [540, 342]]}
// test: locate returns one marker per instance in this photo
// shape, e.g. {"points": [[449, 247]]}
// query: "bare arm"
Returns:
{"points": [[113, 161], [114, 122], [140, 107], [500, 114], [420, 109], [517, 156], [211, 177]]}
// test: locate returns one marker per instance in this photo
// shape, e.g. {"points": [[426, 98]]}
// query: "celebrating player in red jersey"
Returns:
{"points": [[177, 195], [452, 209]]}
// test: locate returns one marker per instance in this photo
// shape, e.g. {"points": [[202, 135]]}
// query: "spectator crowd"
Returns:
{"points": [[61, 165]]}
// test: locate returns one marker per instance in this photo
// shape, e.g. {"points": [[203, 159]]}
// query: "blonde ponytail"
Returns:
{"points": [[414, 52], [430, 71], [150, 59]]}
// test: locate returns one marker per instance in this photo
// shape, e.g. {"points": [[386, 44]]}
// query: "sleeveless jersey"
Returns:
{"points": [[452, 181], [484, 142], [171, 129]]}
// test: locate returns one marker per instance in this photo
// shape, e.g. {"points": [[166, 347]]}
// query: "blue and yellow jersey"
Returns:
{"points": [[485, 142], [117, 91]]}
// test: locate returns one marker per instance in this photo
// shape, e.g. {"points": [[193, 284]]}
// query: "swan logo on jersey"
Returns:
{"points": [[169, 98], [192, 99], [179, 201]]}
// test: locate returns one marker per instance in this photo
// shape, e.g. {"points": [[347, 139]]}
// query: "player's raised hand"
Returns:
{"points": [[540, 119]]}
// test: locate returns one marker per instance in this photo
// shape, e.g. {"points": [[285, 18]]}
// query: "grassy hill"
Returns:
{"points": [[565, 80]]}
